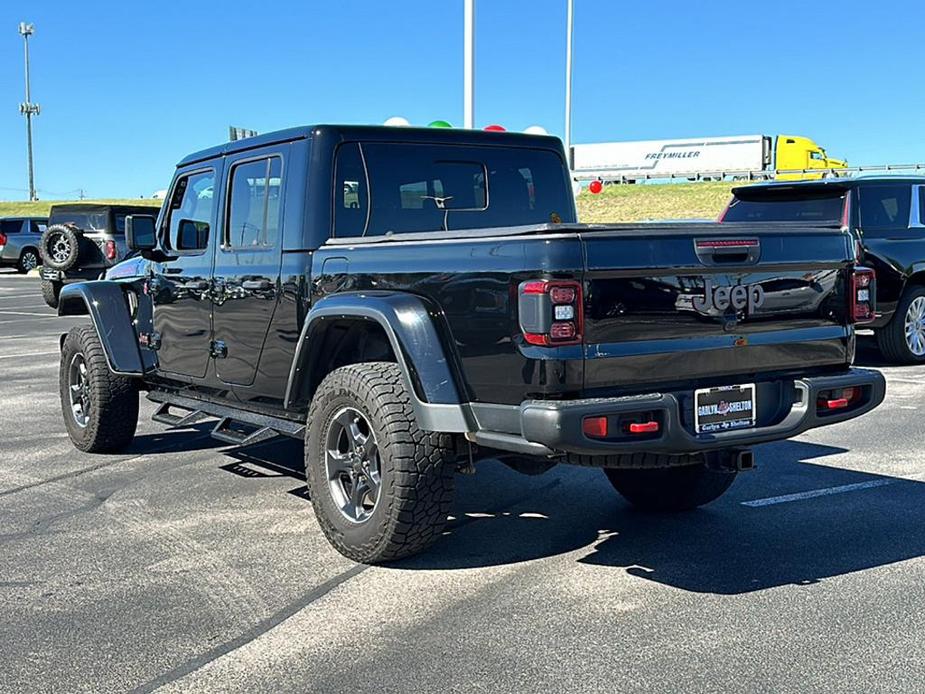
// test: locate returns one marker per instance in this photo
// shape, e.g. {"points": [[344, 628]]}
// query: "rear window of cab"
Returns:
{"points": [[383, 188]]}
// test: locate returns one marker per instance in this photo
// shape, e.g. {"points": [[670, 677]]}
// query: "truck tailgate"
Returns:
{"points": [[706, 303]]}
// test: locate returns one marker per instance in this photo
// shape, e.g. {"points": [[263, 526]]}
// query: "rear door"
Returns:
{"points": [[247, 267]]}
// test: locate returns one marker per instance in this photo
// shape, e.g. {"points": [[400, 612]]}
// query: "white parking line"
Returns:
{"points": [[31, 354], [28, 313], [799, 496], [27, 320]]}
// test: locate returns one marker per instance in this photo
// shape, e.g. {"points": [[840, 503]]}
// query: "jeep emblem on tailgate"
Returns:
{"points": [[721, 298]]}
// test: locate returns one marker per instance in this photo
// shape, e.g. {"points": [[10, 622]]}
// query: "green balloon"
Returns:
{"points": [[439, 124]]}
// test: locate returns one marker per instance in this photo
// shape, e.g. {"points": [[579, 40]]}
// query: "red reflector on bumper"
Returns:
{"points": [[595, 427], [643, 427], [838, 404]]}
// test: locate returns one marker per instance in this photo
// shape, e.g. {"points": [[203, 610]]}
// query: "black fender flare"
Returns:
{"points": [[104, 301], [410, 328]]}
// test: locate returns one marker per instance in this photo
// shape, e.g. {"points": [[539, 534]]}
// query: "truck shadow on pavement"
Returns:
{"points": [[193, 438], [726, 548], [572, 515]]}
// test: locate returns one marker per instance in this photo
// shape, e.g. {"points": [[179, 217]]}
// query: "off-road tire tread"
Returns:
{"points": [[421, 463], [670, 489], [891, 338], [75, 237], [50, 292], [114, 397]]}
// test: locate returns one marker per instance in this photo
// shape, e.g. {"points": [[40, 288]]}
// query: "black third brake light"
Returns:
{"points": [[550, 312]]}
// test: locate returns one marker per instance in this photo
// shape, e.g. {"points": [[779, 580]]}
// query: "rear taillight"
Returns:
{"points": [[110, 250], [550, 312], [2, 239], [863, 295]]}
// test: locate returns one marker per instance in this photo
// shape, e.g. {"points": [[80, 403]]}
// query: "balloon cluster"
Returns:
{"points": [[400, 122]]}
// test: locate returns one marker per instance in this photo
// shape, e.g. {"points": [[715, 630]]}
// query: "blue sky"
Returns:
{"points": [[127, 88]]}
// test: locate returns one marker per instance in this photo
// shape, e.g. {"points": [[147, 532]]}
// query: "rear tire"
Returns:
{"points": [[892, 338], [28, 260], [100, 408], [50, 292], [671, 488], [362, 435]]}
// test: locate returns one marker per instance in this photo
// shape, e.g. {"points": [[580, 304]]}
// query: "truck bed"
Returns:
{"points": [[645, 321]]}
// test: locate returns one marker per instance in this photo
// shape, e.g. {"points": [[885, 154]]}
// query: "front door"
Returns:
{"points": [[246, 278], [180, 288]]}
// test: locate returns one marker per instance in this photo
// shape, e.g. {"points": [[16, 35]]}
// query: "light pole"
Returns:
{"points": [[469, 65], [27, 108], [568, 83]]}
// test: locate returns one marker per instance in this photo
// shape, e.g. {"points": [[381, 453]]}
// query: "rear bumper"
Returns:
{"points": [[556, 426]]}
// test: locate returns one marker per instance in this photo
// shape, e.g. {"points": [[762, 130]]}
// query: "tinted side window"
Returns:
{"points": [[253, 204], [10, 226], [922, 205], [351, 198], [190, 212], [885, 207], [38, 227]]}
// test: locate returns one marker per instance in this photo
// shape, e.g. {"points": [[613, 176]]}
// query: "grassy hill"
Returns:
{"points": [[614, 204], [40, 209], [647, 202]]}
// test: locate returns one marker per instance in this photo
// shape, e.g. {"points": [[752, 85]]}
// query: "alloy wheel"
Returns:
{"points": [[78, 382], [915, 326], [29, 261], [353, 465], [60, 248]]}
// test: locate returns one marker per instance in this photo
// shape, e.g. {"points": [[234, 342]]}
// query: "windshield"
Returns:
{"points": [[88, 221], [826, 207]]}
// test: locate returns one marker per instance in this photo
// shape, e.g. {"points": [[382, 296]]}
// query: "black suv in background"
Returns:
{"points": [[887, 216], [82, 240]]}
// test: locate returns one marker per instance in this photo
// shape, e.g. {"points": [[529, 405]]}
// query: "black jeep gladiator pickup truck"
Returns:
{"points": [[413, 300]]}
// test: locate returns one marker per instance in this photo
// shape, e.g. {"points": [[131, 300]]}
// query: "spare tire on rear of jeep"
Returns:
{"points": [[60, 246]]}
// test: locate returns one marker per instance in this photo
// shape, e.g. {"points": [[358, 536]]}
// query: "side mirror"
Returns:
{"points": [[140, 232]]}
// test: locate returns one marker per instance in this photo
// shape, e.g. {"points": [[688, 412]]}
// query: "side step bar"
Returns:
{"points": [[261, 427]]}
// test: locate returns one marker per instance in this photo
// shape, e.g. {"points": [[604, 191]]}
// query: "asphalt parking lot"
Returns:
{"points": [[185, 565]]}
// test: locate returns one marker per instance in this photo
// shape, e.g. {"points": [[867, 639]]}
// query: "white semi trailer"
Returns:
{"points": [[705, 157]]}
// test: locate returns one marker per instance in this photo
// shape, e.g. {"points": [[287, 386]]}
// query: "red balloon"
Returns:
{"points": [[495, 129], [595, 187]]}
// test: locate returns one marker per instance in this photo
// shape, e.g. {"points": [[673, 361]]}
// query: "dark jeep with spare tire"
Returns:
{"points": [[413, 301], [81, 241]]}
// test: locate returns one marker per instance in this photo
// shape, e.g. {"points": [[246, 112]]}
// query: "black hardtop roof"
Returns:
{"points": [[834, 184], [383, 133]]}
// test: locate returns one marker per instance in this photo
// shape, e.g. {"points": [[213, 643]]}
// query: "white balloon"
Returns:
{"points": [[536, 130], [398, 122], [576, 188]]}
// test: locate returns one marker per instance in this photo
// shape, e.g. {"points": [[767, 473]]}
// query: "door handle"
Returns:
{"points": [[256, 284]]}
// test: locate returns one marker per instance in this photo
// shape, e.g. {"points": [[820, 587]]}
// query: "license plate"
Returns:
{"points": [[724, 408], [49, 274]]}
